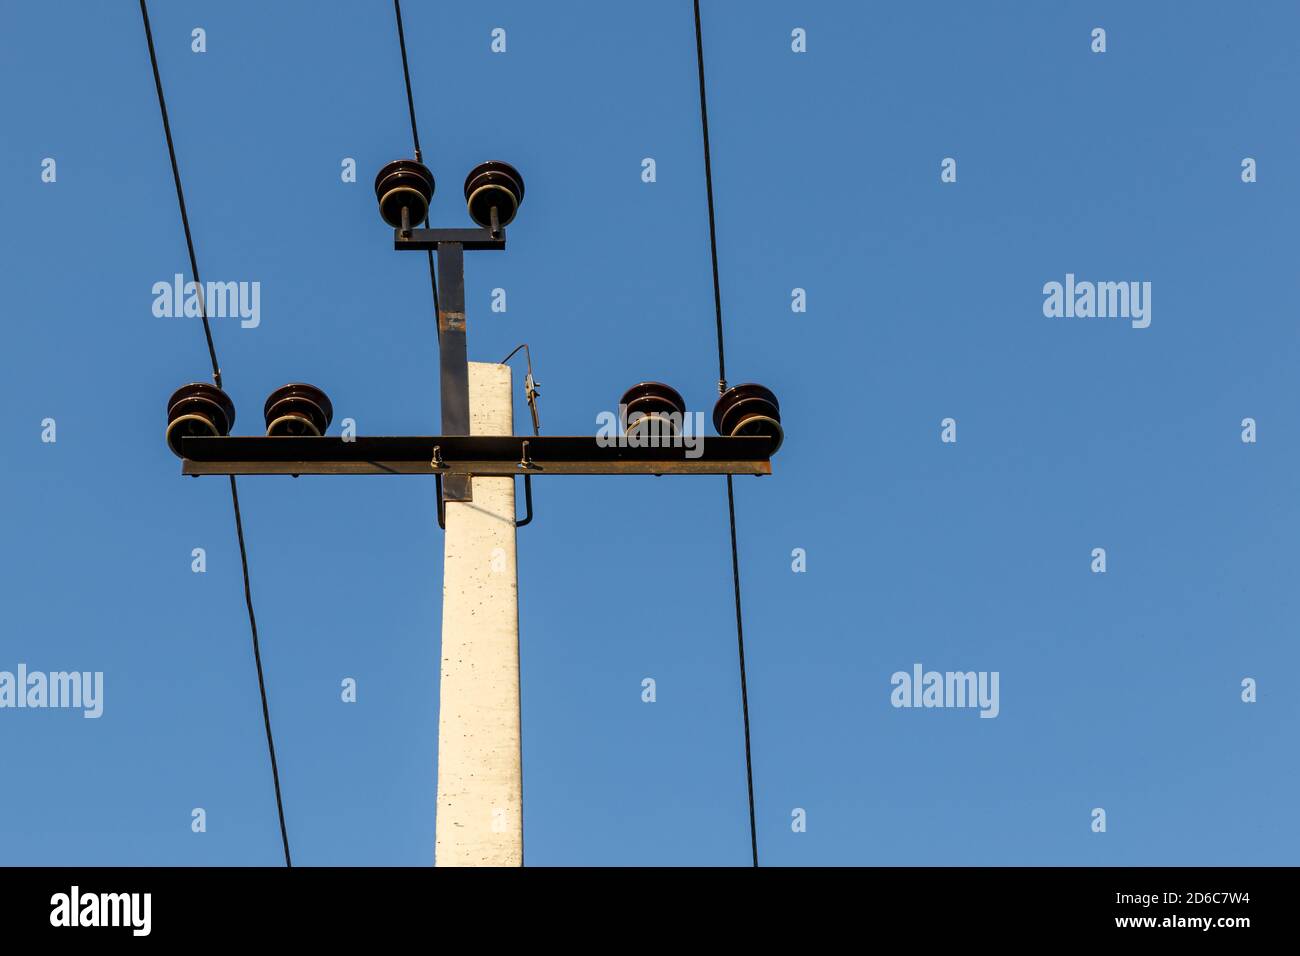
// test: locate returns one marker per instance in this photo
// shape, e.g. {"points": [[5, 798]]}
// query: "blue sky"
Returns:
{"points": [[1118, 690]]}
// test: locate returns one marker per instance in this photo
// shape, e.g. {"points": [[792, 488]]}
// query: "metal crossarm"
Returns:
{"points": [[462, 455]]}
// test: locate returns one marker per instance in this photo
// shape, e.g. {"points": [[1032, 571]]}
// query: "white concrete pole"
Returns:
{"points": [[480, 767]]}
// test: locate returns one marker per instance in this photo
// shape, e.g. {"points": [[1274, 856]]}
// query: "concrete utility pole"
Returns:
{"points": [[480, 774]]}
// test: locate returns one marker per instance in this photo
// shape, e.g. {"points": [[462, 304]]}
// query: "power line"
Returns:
{"points": [[257, 658], [406, 74], [744, 687], [415, 137], [708, 185], [722, 386], [216, 376], [180, 196]]}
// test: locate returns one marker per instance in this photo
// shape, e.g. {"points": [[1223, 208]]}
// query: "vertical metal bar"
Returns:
{"points": [[454, 360]]}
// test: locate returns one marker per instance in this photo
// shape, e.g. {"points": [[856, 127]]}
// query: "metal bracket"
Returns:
{"points": [[442, 507], [531, 391], [438, 466], [452, 357], [528, 502]]}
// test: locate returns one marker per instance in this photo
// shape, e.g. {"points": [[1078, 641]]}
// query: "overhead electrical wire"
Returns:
{"points": [[722, 387], [708, 186], [415, 138], [216, 377], [180, 197]]}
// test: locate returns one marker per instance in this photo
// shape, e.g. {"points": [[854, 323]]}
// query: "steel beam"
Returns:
{"points": [[459, 456], [431, 239], [453, 358]]}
